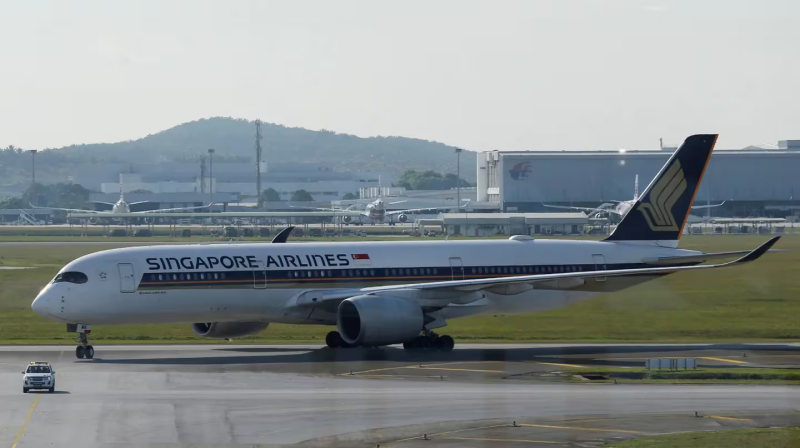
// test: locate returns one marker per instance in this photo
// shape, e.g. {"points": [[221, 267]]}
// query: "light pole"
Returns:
{"points": [[211, 175], [33, 175], [458, 177]]}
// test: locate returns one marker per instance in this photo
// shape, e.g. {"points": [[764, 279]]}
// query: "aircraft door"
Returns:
{"points": [[259, 276], [127, 282], [456, 268], [599, 265]]}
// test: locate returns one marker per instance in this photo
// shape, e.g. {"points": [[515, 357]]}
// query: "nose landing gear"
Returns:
{"points": [[84, 350]]}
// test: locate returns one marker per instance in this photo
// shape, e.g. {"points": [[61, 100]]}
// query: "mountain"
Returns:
{"points": [[234, 139]]}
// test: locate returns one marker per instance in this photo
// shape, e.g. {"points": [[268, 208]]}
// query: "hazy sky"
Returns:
{"points": [[512, 75]]}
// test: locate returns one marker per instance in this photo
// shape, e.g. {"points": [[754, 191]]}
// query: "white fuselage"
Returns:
{"points": [[277, 282]]}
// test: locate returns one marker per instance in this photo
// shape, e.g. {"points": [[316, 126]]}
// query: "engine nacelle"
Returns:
{"points": [[402, 217], [227, 330], [378, 320], [347, 219]]}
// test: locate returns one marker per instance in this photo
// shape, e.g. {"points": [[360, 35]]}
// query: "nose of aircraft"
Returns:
{"points": [[41, 304]]}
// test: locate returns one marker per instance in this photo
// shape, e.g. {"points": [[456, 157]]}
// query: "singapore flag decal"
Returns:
{"points": [[361, 259]]}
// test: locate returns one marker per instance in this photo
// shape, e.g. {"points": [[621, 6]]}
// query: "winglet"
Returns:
{"points": [[757, 252], [283, 235]]}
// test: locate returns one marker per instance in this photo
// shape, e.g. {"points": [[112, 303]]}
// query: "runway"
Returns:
{"points": [[234, 395]]}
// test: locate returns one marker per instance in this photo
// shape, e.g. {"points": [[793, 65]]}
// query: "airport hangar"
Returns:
{"points": [[757, 181]]}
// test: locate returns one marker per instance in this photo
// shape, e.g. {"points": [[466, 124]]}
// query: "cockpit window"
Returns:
{"points": [[71, 277]]}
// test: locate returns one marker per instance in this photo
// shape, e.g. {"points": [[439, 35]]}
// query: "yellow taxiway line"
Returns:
{"points": [[558, 364], [502, 440], [723, 360], [21, 431], [579, 428], [720, 417]]}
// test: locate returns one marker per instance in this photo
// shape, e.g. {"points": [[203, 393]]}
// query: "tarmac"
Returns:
{"points": [[479, 395]]}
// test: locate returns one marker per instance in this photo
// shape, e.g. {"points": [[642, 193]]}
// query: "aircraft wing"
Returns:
{"points": [[707, 206], [71, 210], [135, 203], [486, 283], [426, 209], [585, 209], [167, 210], [334, 211]]}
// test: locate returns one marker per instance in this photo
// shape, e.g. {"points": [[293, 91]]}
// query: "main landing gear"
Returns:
{"points": [[334, 340], [430, 342]]}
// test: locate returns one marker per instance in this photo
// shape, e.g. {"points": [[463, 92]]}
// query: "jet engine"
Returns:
{"points": [[402, 217], [228, 330], [378, 320], [347, 219]]}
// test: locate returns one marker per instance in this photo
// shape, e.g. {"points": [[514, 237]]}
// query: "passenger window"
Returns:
{"points": [[222, 275], [174, 276]]}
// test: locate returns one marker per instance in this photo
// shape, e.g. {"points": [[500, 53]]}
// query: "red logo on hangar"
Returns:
{"points": [[521, 171]]}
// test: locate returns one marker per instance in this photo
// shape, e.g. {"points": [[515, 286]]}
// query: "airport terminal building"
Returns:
{"points": [[760, 180]]}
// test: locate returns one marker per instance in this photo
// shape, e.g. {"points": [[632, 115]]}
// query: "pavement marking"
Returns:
{"points": [[21, 431], [460, 370], [502, 440], [460, 362], [720, 417], [503, 425], [558, 364], [579, 428], [723, 360], [375, 370]]}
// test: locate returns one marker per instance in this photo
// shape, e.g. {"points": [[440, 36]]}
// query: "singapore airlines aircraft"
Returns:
{"points": [[381, 293], [621, 208]]}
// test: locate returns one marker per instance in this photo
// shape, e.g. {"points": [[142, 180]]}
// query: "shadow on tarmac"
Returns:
{"points": [[392, 354]]}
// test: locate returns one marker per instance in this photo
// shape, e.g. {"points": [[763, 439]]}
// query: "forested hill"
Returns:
{"points": [[235, 139]]}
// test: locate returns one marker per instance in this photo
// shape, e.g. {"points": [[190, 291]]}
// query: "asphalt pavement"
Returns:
{"points": [[233, 395]]}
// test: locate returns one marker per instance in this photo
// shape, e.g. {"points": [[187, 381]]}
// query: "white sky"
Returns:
{"points": [[512, 75]]}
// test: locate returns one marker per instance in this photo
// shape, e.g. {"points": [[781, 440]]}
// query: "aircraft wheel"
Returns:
{"points": [[80, 352], [445, 343], [89, 352], [334, 340]]}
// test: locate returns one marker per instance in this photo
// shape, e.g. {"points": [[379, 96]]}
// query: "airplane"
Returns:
{"points": [[382, 293], [377, 213], [620, 208], [124, 207]]}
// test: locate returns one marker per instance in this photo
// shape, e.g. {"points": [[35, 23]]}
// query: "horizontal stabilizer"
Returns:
{"points": [[671, 261]]}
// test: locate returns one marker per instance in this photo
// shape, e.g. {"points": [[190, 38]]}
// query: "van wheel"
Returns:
{"points": [[25, 390], [52, 389]]}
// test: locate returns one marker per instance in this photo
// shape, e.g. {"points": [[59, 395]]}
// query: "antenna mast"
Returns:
{"points": [[258, 164]]}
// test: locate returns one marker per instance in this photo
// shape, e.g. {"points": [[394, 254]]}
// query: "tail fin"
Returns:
{"points": [[660, 213]]}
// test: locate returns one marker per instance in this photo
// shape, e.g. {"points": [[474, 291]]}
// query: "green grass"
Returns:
{"points": [[754, 302], [744, 438]]}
